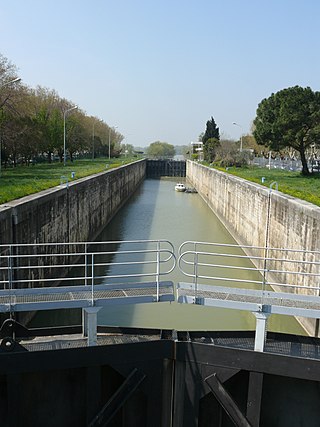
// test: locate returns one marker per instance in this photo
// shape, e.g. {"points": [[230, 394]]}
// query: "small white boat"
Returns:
{"points": [[180, 187]]}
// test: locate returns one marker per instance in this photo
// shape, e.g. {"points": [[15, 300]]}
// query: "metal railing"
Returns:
{"points": [[253, 267], [84, 264], [49, 270], [261, 280], [92, 263]]}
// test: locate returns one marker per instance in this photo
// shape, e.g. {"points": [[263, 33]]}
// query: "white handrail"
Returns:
{"points": [[35, 265], [288, 268]]}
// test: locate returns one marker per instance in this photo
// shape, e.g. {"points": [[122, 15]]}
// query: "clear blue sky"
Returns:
{"points": [[159, 69]]}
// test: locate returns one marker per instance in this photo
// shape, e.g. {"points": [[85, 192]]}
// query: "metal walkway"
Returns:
{"points": [[87, 275], [18, 300], [295, 271], [78, 270], [251, 300], [90, 275]]}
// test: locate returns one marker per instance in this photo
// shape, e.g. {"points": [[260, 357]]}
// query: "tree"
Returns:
{"points": [[210, 140], [96, 130], [8, 73], [9, 96], [210, 148], [127, 149], [160, 149], [289, 118], [75, 134], [212, 131], [249, 143], [32, 124], [226, 153], [47, 109]]}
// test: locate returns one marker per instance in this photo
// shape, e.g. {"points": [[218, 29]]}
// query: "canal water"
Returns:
{"points": [[156, 211]]}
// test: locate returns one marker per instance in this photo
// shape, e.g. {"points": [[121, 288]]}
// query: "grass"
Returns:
{"points": [[24, 180], [292, 183]]}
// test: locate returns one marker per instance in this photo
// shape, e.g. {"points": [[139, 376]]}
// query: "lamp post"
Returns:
{"points": [[115, 127], [64, 132], [93, 141], [16, 80], [236, 124]]}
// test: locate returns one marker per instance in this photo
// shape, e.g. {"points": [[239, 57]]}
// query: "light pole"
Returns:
{"points": [[115, 127], [236, 124], [64, 132], [93, 141], [16, 80]]}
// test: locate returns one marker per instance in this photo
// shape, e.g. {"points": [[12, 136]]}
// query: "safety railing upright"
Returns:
{"points": [[50, 269], [278, 277], [213, 261]]}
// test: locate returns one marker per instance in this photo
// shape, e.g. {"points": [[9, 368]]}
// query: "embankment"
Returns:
{"points": [[242, 206], [72, 213]]}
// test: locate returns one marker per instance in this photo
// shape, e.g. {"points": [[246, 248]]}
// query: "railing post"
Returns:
{"points": [[90, 324], [196, 274], [158, 268], [9, 268], [266, 251], [261, 330], [86, 264], [92, 279], [10, 276], [84, 323]]}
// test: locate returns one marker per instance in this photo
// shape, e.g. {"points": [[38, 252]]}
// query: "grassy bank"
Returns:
{"points": [[24, 180], [292, 183]]}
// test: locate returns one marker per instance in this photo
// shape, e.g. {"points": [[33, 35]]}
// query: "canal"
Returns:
{"points": [[156, 211]]}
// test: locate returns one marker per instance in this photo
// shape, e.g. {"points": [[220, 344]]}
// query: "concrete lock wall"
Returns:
{"points": [[242, 206], [70, 213]]}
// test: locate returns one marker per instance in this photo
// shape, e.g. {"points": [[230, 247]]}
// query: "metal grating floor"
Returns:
{"points": [[20, 299], [78, 341], [289, 300], [279, 346], [308, 348]]}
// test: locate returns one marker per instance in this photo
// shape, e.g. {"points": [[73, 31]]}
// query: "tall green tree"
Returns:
{"points": [[212, 131], [289, 118], [210, 140]]}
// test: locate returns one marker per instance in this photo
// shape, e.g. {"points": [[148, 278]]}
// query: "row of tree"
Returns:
{"points": [[287, 121], [34, 123]]}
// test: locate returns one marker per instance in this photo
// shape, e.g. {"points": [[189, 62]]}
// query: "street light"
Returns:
{"points": [[16, 80], [93, 140], [236, 124], [115, 127], [64, 132]]}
